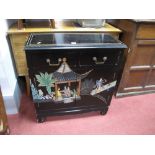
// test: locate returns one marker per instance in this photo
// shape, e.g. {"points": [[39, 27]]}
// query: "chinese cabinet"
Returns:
{"points": [[73, 73]]}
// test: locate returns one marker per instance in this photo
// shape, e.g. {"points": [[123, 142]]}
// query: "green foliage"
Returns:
{"points": [[46, 80]]}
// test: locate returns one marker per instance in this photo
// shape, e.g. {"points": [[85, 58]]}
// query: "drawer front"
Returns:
{"points": [[146, 31], [99, 57], [50, 59]]}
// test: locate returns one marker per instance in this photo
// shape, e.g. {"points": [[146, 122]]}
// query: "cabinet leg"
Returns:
{"points": [[104, 111], [41, 119], [27, 85]]}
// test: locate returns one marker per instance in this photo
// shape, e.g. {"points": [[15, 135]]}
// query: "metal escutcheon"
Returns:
{"points": [[50, 64], [99, 62]]}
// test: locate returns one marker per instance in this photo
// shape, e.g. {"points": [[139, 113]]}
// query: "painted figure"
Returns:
{"points": [[99, 84], [67, 92], [59, 93]]}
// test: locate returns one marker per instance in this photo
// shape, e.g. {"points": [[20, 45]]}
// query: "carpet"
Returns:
{"points": [[126, 116]]}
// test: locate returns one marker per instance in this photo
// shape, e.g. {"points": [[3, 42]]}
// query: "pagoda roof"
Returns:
{"points": [[64, 73]]}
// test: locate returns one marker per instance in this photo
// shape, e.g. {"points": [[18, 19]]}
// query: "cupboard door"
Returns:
{"points": [[96, 85], [65, 84], [141, 70], [51, 85], [136, 79], [143, 56]]}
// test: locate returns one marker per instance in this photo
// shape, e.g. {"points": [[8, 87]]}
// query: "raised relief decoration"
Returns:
{"points": [[64, 85]]}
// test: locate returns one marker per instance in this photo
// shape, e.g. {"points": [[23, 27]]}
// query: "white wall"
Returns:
{"points": [[8, 79]]}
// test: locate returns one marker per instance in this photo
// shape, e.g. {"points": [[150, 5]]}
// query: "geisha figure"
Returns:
{"points": [[99, 84], [67, 92], [59, 95]]}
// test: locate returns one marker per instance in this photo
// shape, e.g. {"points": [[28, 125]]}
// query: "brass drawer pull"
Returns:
{"points": [[49, 62], [101, 62]]}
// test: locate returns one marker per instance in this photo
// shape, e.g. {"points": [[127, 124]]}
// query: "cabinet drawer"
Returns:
{"points": [[48, 59], [146, 31], [99, 57]]}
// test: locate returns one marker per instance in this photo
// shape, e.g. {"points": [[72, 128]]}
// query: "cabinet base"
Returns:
{"points": [[42, 116]]}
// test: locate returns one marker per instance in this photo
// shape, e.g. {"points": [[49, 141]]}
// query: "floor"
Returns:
{"points": [[128, 115]]}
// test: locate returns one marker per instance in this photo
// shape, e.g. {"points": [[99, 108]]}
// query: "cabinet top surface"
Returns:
{"points": [[62, 27], [72, 40]]}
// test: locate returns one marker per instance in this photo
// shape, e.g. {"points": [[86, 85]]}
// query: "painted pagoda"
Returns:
{"points": [[63, 85], [65, 76]]}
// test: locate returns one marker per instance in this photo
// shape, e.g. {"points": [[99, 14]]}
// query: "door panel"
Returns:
{"points": [[146, 31], [98, 86], [136, 79], [143, 55], [141, 72]]}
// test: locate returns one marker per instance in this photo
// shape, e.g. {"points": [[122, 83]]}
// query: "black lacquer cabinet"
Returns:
{"points": [[73, 73]]}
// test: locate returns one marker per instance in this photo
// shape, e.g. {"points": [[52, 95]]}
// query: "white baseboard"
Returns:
{"points": [[12, 103]]}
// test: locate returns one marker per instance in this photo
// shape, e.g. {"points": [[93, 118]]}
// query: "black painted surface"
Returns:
{"points": [[80, 61], [72, 40]]}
